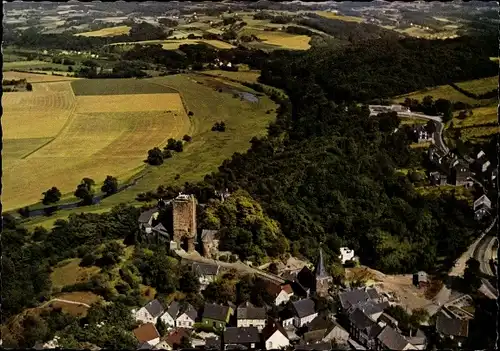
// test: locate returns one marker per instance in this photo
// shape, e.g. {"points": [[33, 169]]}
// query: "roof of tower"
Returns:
{"points": [[320, 267]]}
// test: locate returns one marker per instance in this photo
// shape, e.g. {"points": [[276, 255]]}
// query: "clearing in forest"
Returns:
{"points": [[279, 39]]}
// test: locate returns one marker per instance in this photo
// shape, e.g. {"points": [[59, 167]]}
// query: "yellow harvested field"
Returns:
{"points": [[128, 103], [479, 116], [52, 138], [332, 15], [243, 76], [35, 78], [106, 32], [282, 39]]}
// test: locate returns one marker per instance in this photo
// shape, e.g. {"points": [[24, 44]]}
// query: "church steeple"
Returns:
{"points": [[320, 267]]}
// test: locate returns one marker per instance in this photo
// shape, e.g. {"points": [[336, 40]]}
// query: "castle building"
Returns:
{"points": [[184, 221]]}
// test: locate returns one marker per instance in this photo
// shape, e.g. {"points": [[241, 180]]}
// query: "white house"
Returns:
{"points": [[304, 312], [147, 334], [280, 293], [247, 315], [346, 254], [337, 333], [149, 313], [481, 207], [275, 336], [206, 273], [170, 315], [186, 318]]}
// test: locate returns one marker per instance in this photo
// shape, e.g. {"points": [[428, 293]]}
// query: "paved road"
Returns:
{"points": [[239, 266], [438, 135]]}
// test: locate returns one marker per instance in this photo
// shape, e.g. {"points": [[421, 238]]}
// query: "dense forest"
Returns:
{"points": [[326, 171]]}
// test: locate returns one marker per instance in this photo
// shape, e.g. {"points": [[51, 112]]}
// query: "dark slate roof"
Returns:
{"points": [[391, 339], [384, 317], [452, 326], [320, 323], [216, 312], [314, 336], [208, 235], [320, 267], [160, 228], [205, 269], [173, 309], [372, 293], [243, 335], [146, 215], [363, 322], [154, 308], [190, 311], [304, 308], [287, 312], [306, 278], [271, 327], [352, 298], [370, 308], [212, 343], [249, 311]]}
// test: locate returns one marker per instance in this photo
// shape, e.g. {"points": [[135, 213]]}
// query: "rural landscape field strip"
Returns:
{"points": [[100, 135]]}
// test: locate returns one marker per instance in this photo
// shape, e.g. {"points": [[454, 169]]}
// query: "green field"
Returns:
{"points": [[207, 151], [117, 87], [33, 65], [477, 86]]}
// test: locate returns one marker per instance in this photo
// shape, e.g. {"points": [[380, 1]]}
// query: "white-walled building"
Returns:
{"points": [[346, 254]]}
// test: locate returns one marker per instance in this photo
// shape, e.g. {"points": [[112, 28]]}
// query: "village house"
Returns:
{"points": [[461, 175], [187, 317], [390, 339], [482, 206], [206, 273], [175, 338], [170, 315], [149, 313], [147, 335], [373, 309], [216, 316], [304, 312], [238, 338], [452, 328], [247, 315], [363, 329], [420, 279], [422, 135], [287, 316], [280, 293], [322, 329], [275, 336], [419, 340], [351, 299], [386, 319], [146, 220], [346, 254]]}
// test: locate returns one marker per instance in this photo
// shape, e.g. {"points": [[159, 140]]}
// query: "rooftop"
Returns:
{"points": [[154, 308], [249, 311], [452, 326], [391, 339], [243, 335], [304, 308], [216, 312], [146, 332]]}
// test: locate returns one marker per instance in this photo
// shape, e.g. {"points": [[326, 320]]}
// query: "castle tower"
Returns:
{"points": [[184, 220], [323, 279]]}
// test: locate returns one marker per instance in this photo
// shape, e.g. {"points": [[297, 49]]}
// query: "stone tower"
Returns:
{"points": [[184, 220], [323, 279]]}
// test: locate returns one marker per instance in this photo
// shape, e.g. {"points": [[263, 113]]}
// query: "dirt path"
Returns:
{"points": [[65, 301]]}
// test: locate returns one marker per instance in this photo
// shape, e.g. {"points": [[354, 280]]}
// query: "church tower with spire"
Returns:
{"points": [[323, 279]]}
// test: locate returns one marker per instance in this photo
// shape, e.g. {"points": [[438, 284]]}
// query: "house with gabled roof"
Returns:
{"points": [[147, 218], [206, 273], [147, 334], [352, 298], [274, 336], [390, 339], [186, 317], [453, 328], [246, 338], [363, 329], [305, 312], [247, 315], [482, 206], [324, 329], [280, 293], [170, 315], [216, 316], [210, 243], [149, 313]]}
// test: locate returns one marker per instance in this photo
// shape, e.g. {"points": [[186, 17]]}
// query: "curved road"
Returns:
{"points": [[438, 135]]}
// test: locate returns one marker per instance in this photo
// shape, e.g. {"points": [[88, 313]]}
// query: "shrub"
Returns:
{"points": [[187, 138], [29, 87], [190, 113]]}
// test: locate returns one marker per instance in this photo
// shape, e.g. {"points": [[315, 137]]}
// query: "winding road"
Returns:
{"points": [[438, 134]]}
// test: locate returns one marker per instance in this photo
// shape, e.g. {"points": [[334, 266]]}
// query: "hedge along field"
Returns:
{"points": [[208, 149], [63, 138]]}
